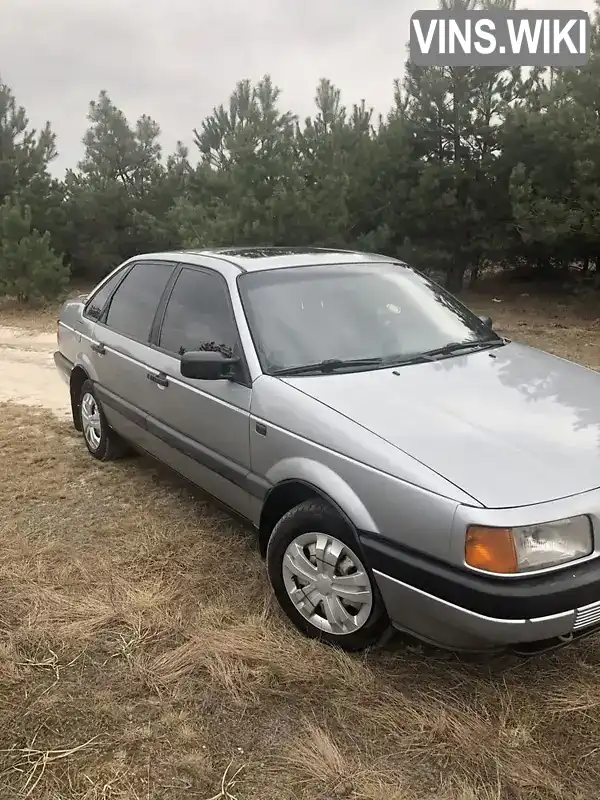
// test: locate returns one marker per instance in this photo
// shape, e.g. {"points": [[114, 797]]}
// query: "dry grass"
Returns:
{"points": [[141, 656]]}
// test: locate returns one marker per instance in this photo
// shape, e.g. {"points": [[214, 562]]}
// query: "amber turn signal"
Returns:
{"points": [[491, 549]]}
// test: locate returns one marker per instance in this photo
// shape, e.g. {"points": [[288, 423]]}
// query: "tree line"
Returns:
{"points": [[471, 167]]}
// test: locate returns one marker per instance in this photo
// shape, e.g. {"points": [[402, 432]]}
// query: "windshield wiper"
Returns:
{"points": [[328, 366], [332, 364], [446, 350], [400, 361], [455, 347]]}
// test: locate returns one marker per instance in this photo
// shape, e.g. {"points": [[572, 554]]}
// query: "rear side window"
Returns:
{"points": [[198, 315], [133, 305], [96, 305]]}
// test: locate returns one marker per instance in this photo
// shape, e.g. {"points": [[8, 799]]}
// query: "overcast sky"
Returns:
{"points": [[176, 59]]}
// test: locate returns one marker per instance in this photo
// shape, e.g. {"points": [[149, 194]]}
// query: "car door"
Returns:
{"points": [[121, 352], [201, 427]]}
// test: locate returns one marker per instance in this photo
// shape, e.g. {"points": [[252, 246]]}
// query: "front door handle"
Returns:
{"points": [[161, 379], [98, 348]]}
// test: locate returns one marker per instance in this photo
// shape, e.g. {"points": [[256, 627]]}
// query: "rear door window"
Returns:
{"points": [[95, 306], [133, 306]]}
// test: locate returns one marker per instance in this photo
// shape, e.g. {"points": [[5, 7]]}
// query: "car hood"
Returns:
{"points": [[510, 426]]}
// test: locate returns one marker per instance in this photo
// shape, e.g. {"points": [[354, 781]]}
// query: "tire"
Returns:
{"points": [[365, 621], [100, 439]]}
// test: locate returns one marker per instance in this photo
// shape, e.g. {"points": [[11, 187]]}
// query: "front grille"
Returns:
{"points": [[586, 616]]}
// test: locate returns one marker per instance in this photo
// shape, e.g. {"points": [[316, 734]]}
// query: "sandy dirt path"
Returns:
{"points": [[27, 372]]}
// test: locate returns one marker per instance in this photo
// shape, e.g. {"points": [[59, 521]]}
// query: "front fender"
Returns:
{"points": [[326, 482]]}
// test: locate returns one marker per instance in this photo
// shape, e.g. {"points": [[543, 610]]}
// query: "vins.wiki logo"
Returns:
{"points": [[500, 38]]}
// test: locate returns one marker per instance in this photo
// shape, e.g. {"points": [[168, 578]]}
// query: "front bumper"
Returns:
{"points": [[463, 611]]}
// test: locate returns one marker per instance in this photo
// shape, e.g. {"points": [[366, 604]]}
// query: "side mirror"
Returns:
{"points": [[487, 321], [207, 365]]}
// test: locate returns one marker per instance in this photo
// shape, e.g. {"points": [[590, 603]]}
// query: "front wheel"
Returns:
{"points": [[320, 580]]}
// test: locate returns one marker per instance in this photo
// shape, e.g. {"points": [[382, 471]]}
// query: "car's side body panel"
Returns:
{"points": [[75, 333], [305, 441], [302, 420], [201, 429]]}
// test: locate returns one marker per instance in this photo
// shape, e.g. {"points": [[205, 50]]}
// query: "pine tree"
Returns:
{"points": [[454, 115], [25, 157], [29, 269], [119, 196]]}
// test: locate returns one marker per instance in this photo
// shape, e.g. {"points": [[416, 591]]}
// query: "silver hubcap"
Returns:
{"points": [[327, 583], [90, 421]]}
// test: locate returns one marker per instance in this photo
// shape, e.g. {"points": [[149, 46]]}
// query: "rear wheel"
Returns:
{"points": [[101, 441], [320, 579]]}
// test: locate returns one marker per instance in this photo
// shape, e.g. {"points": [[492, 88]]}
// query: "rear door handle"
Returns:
{"points": [[161, 379], [98, 348]]}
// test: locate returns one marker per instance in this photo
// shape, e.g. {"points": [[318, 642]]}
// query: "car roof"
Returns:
{"points": [[254, 259]]}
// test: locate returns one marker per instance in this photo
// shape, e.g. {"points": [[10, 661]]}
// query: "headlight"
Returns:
{"points": [[531, 547]]}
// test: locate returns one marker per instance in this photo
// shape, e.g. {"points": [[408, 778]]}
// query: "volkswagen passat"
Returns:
{"points": [[403, 464]]}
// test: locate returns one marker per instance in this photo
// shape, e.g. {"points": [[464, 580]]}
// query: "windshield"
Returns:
{"points": [[306, 315]]}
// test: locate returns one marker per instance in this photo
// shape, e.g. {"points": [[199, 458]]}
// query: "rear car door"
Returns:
{"points": [[121, 351], [201, 427]]}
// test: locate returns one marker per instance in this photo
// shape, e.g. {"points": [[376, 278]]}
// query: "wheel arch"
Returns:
{"points": [[78, 377], [374, 629], [297, 486]]}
